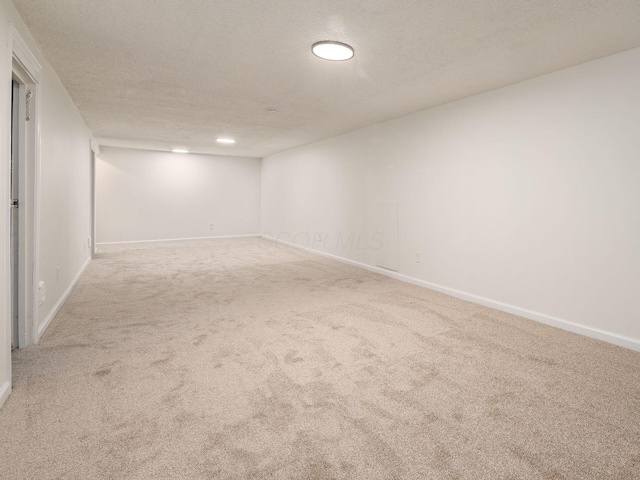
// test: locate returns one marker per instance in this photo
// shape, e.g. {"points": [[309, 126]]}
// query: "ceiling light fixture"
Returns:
{"points": [[180, 150], [330, 50], [228, 141]]}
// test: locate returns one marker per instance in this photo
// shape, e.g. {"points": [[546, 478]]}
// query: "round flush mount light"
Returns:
{"points": [[180, 150], [228, 141], [330, 50]]}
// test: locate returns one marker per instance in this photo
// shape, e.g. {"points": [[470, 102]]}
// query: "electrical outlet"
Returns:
{"points": [[211, 226], [318, 237], [57, 274], [417, 257]]}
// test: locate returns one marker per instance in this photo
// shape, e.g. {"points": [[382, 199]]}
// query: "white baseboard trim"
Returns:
{"points": [[249, 235], [592, 332], [5, 390], [52, 314]]}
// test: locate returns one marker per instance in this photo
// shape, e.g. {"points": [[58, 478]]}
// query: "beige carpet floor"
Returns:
{"points": [[237, 359]]}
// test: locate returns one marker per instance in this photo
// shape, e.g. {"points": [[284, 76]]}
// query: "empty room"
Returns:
{"points": [[320, 240]]}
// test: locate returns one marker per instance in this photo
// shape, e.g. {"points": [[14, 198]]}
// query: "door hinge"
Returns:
{"points": [[14, 203], [28, 113]]}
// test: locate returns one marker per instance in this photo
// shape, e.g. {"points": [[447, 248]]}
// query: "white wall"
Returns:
{"points": [[65, 184], [65, 195], [149, 195], [526, 198]]}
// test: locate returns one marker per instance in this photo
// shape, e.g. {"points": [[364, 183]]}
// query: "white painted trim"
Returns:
{"points": [[23, 55], [598, 334], [5, 390], [249, 235], [52, 314], [5, 314]]}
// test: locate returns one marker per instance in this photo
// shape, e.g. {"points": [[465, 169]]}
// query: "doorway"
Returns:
{"points": [[92, 235], [22, 153], [14, 235], [20, 212]]}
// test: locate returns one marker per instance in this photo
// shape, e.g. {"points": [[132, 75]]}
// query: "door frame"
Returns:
{"points": [[93, 199], [27, 71], [16, 257]]}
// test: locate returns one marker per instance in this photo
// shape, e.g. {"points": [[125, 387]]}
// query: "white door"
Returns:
{"points": [[386, 231]]}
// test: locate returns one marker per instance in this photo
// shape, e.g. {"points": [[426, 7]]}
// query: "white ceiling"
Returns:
{"points": [[179, 73]]}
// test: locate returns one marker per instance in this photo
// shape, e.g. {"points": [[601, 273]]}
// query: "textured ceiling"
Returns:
{"points": [[179, 73]]}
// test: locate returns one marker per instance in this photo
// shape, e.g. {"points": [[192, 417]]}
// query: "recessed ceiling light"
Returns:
{"points": [[180, 150], [330, 50], [226, 140]]}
